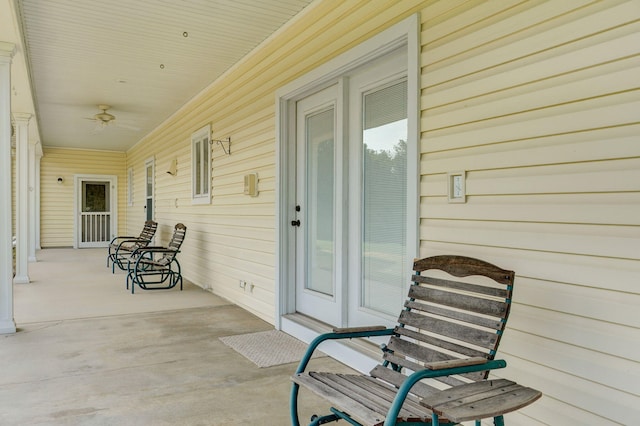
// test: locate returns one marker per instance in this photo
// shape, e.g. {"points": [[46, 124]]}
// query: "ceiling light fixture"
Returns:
{"points": [[185, 34], [161, 66]]}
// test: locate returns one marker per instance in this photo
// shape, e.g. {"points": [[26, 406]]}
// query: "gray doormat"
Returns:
{"points": [[268, 348]]}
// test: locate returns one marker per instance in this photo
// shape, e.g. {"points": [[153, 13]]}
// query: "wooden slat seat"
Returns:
{"points": [[447, 336]]}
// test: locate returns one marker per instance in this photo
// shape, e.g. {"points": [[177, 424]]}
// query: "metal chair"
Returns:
{"points": [[157, 268], [121, 248]]}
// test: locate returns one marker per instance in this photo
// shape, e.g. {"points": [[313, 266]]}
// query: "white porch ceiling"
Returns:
{"points": [[144, 58]]}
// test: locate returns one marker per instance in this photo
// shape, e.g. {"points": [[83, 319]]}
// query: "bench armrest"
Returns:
{"points": [[359, 329], [345, 333], [154, 249], [414, 378]]}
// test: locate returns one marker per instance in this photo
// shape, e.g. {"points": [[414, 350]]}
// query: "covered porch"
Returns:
{"points": [[89, 352]]}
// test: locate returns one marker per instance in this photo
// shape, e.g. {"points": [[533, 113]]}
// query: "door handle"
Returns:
{"points": [[295, 222]]}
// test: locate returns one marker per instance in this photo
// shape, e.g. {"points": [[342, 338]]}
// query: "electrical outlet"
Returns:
{"points": [[243, 284]]}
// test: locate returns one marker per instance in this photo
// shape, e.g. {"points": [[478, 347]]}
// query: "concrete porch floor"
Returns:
{"points": [[87, 352]]}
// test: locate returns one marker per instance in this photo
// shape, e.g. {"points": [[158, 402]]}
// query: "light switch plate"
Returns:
{"points": [[457, 190]]}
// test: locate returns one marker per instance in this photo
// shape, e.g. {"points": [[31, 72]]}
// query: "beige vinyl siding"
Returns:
{"points": [[233, 238], [538, 102], [57, 201]]}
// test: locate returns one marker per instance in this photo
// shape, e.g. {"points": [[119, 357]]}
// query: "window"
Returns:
{"points": [[130, 186], [201, 166]]}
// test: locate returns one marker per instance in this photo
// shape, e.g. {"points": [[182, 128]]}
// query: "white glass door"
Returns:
{"points": [[319, 223], [355, 231]]}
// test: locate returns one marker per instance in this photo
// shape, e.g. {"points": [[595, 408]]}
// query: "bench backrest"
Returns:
{"points": [[179, 232], [457, 308], [149, 230]]}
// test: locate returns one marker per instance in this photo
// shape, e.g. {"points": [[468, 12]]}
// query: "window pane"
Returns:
{"points": [[198, 169], [384, 198], [205, 166], [319, 215], [95, 197]]}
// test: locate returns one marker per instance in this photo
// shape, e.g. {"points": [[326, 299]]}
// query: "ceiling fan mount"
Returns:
{"points": [[104, 119], [104, 116]]}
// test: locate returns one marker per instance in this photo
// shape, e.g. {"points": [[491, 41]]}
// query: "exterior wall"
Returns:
{"points": [[233, 238], [536, 100], [57, 201]]}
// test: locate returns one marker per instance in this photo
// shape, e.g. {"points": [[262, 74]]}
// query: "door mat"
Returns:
{"points": [[268, 348]]}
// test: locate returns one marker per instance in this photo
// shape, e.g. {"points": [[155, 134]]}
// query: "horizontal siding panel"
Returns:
{"points": [[596, 145], [443, 21], [601, 404], [603, 369], [569, 89], [569, 34], [588, 240], [588, 272], [556, 121], [601, 336], [603, 176], [605, 209], [606, 55], [611, 176], [491, 25]]}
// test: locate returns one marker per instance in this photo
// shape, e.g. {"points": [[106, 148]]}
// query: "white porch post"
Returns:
{"points": [[39, 155], [7, 324], [33, 190], [21, 121]]}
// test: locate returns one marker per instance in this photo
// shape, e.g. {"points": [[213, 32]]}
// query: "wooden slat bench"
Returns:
{"points": [[447, 336]]}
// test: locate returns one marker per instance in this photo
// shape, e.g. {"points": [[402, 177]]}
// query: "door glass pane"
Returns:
{"points": [[95, 197], [384, 198], [149, 181], [319, 221]]}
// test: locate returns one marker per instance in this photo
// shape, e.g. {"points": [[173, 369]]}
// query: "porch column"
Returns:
{"points": [[21, 121], [39, 155], [34, 163], [7, 324]]}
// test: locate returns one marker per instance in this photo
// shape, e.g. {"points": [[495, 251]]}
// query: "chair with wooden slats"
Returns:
{"points": [[157, 268], [447, 335], [121, 247]]}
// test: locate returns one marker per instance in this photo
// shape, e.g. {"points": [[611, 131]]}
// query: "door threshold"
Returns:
{"points": [[360, 354]]}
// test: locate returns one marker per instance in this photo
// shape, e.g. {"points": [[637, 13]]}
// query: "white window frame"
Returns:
{"points": [[130, 186], [202, 137]]}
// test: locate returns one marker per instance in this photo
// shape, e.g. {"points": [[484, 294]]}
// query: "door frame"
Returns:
{"points": [[404, 34], [77, 203]]}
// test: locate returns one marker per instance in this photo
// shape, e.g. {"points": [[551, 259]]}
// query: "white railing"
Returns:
{"points": [[95, 227]]}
